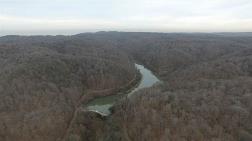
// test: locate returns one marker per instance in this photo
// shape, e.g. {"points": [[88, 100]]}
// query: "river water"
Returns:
{"points": [[102, 104]]}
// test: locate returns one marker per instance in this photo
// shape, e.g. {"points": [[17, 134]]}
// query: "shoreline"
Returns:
{"points": [[119, 92]]}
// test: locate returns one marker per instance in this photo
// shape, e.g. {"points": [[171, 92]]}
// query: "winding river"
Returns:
{"points": [[102, 105]]}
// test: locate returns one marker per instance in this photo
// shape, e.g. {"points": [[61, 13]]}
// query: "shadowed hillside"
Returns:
{"points": [[205, 95], [43, 78], [212, 103]]}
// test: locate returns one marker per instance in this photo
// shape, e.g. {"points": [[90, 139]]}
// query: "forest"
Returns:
{"points": [[206, 92]]}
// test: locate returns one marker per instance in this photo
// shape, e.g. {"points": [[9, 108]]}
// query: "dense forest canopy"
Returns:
{"points": [[206, 92]]}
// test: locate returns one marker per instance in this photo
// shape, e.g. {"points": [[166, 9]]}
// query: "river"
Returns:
{"points": [[102, 104]]}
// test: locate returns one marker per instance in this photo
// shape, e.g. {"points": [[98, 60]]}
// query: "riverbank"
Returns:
{"points": [[103, 104], [96, 112], [85, 99]]}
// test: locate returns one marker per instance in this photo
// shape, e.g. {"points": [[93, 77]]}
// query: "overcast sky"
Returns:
{"points": [[74, 16]]}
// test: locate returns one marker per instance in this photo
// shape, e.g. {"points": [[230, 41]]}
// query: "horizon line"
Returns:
{"points": [[110, 31]]}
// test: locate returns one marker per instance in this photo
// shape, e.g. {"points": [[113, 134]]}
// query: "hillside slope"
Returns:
{"points": [[43, 78]]}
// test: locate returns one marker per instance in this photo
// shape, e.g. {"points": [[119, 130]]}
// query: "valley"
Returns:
{"points": [[89, 87]]}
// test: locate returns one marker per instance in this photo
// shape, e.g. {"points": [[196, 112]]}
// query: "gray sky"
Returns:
{"points": [[75, 16]]}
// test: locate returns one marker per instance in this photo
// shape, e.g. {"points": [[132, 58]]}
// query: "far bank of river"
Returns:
{"points": [[103, 104]]}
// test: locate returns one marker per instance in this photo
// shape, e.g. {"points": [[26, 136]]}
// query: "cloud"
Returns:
{"points": [[12, 22], [27, 16]]}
